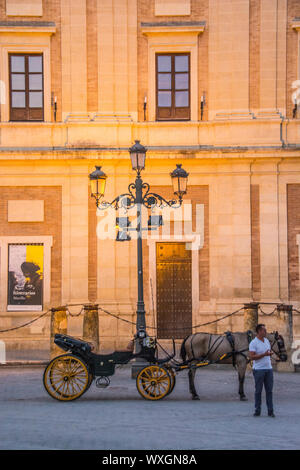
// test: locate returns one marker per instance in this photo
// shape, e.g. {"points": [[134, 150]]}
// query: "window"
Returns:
{"points": [[26, 87], [172, 87]]}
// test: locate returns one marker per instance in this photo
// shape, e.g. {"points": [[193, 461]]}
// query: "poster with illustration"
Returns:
{"points": [[25, 277]]}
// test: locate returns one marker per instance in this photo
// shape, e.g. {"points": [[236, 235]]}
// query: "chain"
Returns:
{"points": [[26, 324], [209, 322], [117, 317], [265, 313], [74, 314]]}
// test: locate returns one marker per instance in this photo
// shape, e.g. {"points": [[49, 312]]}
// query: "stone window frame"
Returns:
{"points": [[5, 241], [173, 37], [195, 268], [186, 238], [29, 38]]}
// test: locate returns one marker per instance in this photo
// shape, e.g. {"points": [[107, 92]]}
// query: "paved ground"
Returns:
{"points": [[118, 418]]}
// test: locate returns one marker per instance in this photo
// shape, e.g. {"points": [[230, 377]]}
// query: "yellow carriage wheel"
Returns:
{"points": [[153, 382], [66, 377], [173, 378]]}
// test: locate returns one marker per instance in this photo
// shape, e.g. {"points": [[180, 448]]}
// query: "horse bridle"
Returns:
{"points": [[281, 348]]}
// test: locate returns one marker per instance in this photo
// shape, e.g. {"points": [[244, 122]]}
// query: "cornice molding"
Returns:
{"points": [[173, 27], [40, 27]]}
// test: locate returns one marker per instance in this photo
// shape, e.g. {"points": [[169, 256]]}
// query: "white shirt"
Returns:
{"points": [[260, 347]]}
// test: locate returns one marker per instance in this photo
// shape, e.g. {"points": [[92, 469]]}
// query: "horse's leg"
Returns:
{"points": [[193, 391], [241, 367]]}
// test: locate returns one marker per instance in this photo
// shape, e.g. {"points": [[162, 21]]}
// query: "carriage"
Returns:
{"points": [[68, 376]]}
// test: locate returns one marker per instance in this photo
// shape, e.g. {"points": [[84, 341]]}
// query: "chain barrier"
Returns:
{"points": [[131, 322], [176, 329], [26, 324]]}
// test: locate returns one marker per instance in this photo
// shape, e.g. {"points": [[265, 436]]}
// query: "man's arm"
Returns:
{"points": [[255, 357]]}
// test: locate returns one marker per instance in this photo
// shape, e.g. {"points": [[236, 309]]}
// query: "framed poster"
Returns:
{"points": [[25, 276]]}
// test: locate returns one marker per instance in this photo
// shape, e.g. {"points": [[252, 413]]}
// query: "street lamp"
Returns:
{"points": [[138, 156], [98, 182], [139, 195], [179, 179]]}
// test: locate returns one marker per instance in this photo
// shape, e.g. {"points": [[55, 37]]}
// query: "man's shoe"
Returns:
{"points": [[271, 414], [256, 413]]}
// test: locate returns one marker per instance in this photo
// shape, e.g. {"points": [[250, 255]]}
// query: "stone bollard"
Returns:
{"points": [[58, 325], [91, 325], [250, 316], [285, 328]]}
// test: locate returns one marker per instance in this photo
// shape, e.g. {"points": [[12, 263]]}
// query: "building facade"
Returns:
{"points": [[211, 84]]}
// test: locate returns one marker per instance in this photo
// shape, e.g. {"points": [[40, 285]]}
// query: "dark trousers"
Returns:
{"points": [[263, 377]]}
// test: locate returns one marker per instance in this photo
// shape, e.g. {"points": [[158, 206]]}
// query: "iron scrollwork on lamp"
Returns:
{"points": [[139, 194]]}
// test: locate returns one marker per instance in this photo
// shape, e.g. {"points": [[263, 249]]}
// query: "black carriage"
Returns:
{"points": [[69, 376]]}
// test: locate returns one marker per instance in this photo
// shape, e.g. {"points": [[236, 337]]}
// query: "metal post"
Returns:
{"points": [[91, 325], [141, 321], [58, 325], [140, 311], [250, 316]]}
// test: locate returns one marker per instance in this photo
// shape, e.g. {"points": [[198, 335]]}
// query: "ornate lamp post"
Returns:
{"points": [[138, 194]]}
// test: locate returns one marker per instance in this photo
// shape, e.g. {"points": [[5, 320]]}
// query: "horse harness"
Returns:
{"points": [[212, 348]]}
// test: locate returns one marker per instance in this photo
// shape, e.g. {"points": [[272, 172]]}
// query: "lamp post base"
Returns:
{"points": [[136, 366], [139, 363]]}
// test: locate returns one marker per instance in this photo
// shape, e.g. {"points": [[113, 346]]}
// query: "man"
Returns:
{"points": [[260, 354]]}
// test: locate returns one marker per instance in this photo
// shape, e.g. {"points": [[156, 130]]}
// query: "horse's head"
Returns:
{"points": [[278, 346]]}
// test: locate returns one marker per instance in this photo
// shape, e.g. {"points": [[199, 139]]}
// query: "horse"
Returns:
{"points": [[212, 347]]}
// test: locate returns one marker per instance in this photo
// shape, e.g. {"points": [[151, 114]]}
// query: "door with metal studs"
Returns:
{"points": [[173, 290]]}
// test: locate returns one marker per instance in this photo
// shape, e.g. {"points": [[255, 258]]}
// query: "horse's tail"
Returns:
{"points": [[182, 349]]}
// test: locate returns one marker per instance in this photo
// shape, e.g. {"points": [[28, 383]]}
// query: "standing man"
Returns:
{"points": [[260, 354]]}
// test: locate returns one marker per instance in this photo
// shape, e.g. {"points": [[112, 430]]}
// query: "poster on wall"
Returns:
{"points": [[25, 277]]}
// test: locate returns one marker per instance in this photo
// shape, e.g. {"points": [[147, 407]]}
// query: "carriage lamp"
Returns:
{"points": [[98, 182], [179, 180], [138, 156], [141, 333]]}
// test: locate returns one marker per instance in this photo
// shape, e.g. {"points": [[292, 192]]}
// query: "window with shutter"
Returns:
{"points": [[26, 87], [172, 87]]}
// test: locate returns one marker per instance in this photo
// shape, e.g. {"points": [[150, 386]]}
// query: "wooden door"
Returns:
{"points": [[173, 290]]}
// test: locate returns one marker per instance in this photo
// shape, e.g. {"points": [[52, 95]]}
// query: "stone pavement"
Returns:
{"points": [[118, 418]]}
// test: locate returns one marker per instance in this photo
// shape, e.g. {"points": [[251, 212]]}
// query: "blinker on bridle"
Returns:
{"points": [[281, 348]]}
